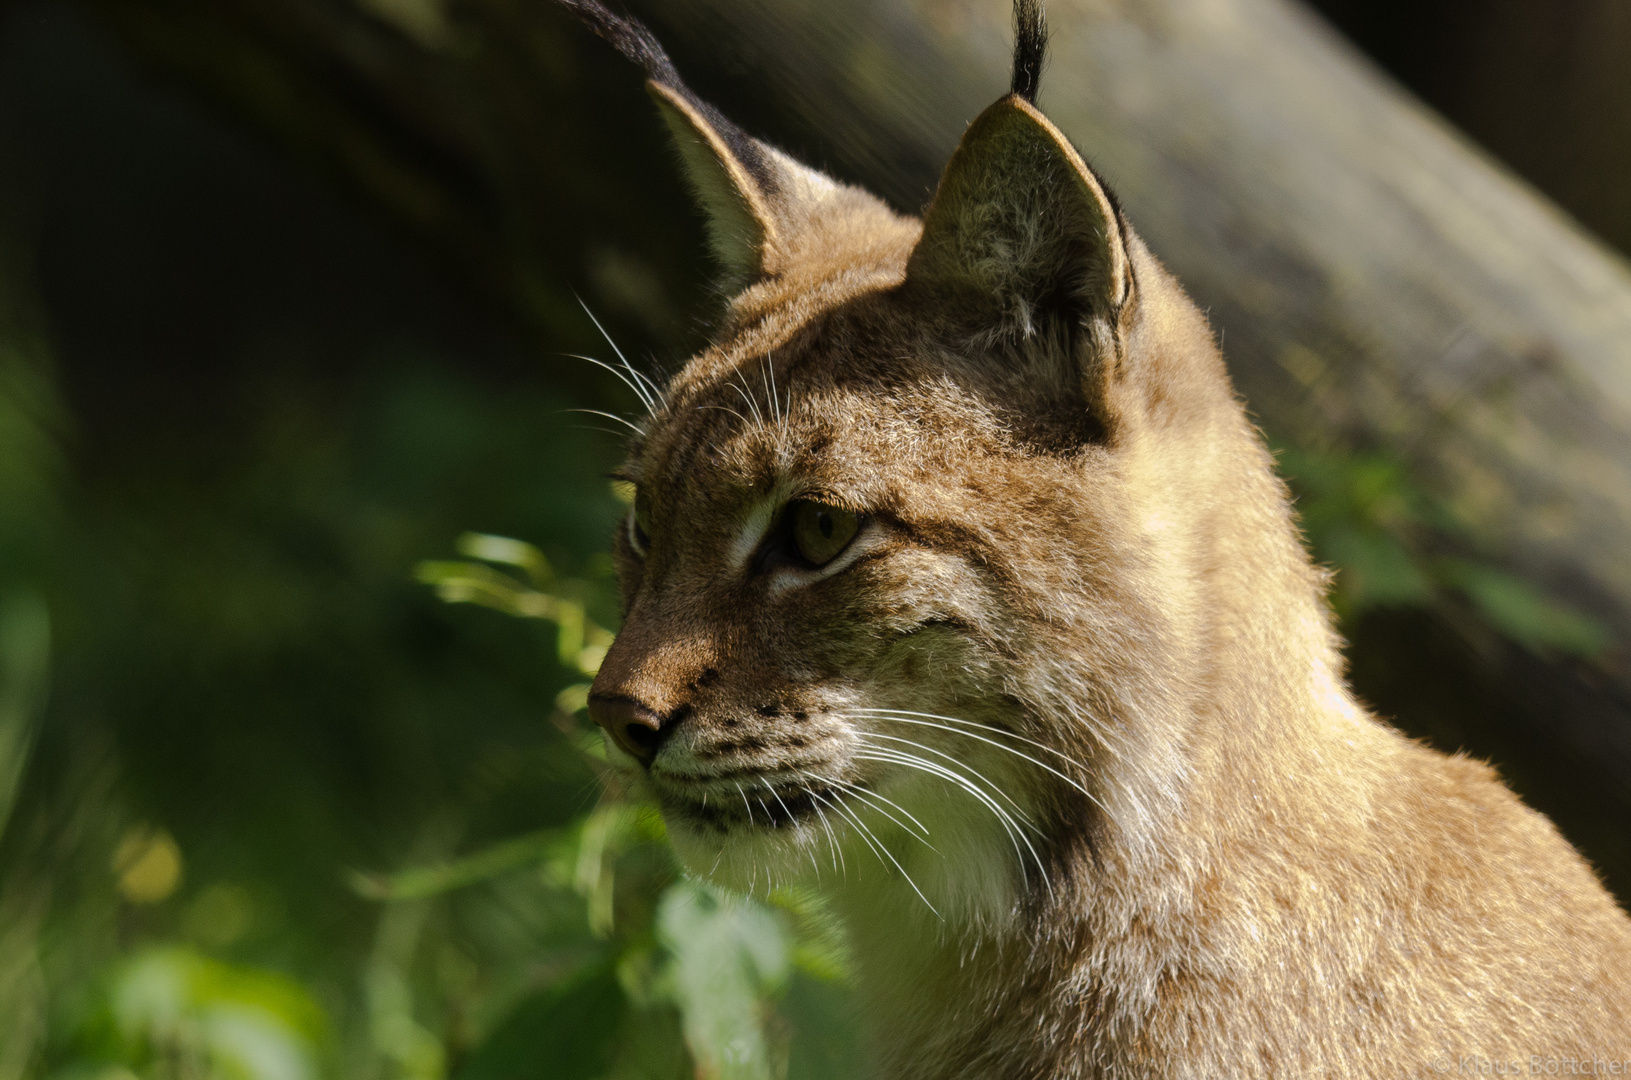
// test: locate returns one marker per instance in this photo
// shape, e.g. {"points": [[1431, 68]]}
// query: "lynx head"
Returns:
{"points": [[920, 579]]}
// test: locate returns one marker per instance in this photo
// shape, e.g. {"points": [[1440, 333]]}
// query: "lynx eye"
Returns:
{"points": [[640, 523], [821, 531]]}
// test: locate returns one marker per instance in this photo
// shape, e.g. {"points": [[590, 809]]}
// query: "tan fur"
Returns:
{"points": [[1073, 536]]}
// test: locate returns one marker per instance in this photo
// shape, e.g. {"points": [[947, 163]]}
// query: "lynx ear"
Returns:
{"points": [[757, 199], [721, 164], [1021, 234], [766, 212], [755, 196]]}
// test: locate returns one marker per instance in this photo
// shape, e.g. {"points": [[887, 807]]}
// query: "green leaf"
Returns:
{"points": [[244, 1023], [1374, 570], [728, 956], [424, 881], [508, 552], [1524, 614]]}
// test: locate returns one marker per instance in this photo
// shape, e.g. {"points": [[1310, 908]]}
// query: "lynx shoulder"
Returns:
{"points": [[959, 588]]}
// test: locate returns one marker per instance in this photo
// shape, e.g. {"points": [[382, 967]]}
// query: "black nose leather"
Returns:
{"points": [[637, 730]]}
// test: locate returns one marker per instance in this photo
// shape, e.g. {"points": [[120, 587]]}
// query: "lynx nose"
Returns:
{"points": [[637, 730]]}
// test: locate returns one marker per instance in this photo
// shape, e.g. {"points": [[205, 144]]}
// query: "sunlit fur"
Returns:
{"points": [[1063, 734]]}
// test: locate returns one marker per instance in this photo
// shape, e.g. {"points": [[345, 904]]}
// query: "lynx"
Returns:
{"points": [[959, 588]]}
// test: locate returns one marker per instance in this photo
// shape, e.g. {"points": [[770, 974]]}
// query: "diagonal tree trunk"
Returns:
{"points": [[1392, 303]]}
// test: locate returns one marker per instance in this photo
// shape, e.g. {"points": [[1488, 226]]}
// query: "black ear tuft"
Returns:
{"points": [[630, 37], [766, 212], [1030, 47], [639, 45]]}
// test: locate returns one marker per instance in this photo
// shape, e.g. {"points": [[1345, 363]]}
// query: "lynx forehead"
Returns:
{"points": [[958, 587]]}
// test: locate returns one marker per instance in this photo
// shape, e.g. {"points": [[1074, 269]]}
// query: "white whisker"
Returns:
{"points": [[959, 763], [882, 851], [613, 432], [792, 822], [650, 384], [653, 393], [907, 719], [1016, 835], [636, 428], [633, 386], [833, 806], [838, 864], [869, 796], [963, 783], [727, 409], [780, 414], [1004, 732], [753, 406]]}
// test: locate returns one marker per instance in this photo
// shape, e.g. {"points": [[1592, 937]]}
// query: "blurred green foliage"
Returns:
{"points": [[285, 813], [1393, 545]]}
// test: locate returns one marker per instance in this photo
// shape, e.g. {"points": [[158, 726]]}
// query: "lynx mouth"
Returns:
{"points": [[760, 805]]}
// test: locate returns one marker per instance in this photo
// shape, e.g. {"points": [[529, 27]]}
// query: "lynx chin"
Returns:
{"points": [[959, 588]]}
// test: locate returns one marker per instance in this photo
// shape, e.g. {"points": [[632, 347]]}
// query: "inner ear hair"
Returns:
{"points": [[732, 178], [1020, 228]]}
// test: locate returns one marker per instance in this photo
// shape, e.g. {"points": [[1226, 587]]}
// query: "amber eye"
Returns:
{"points": [[821, 531], [640, 523]]}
